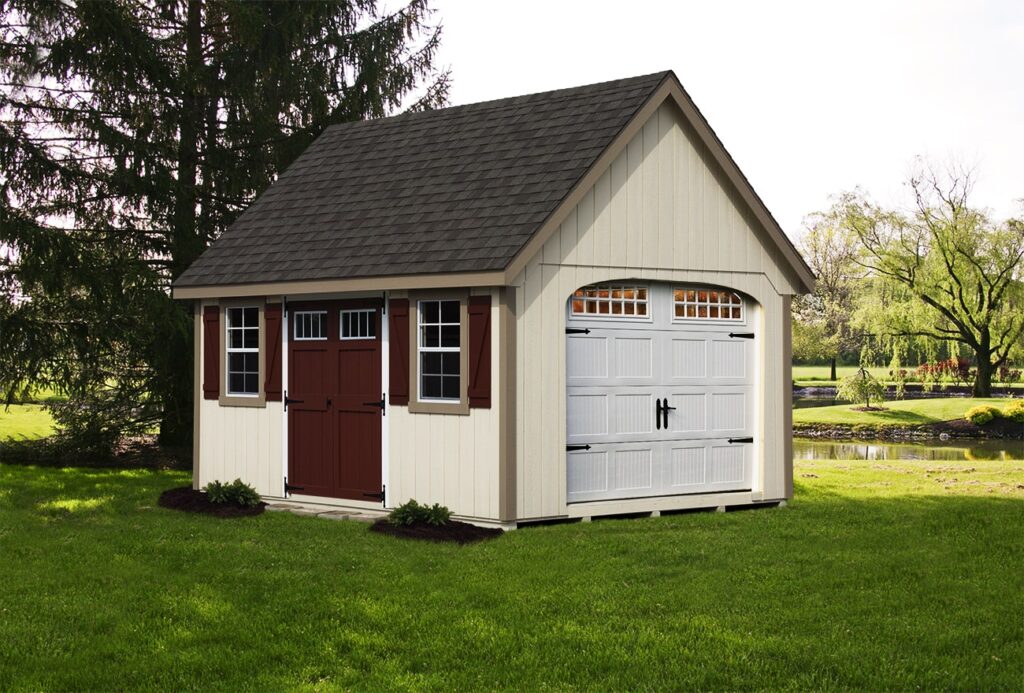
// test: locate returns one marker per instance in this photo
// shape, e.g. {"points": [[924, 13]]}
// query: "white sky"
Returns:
{"points": [[810, 98]]}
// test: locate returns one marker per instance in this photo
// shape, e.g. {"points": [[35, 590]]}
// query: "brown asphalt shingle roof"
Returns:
{"points": [[458, 189]]}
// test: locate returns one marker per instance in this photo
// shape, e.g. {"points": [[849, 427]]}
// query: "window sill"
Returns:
{"points": [[242, 401], [460, 408]]}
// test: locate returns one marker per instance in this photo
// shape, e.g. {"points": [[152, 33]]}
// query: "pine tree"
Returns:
{"points": [[132, 133]]}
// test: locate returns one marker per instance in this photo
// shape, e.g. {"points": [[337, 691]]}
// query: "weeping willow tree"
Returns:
{"points": [[943, 273], [132, 133]]}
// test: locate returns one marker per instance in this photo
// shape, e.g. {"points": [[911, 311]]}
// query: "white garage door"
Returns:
{"points": [[660, 394]]}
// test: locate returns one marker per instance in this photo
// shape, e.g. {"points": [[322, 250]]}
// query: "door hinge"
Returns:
{"points": [[382, 496], [573, 448], [741, 335], [288, 488], [577, 330], [288, 400], [741, 440], [380, 403]]}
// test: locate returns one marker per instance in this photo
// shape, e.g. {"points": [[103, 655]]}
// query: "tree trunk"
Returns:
{"points": [[983, 378], [186, 245], [833, 363]]}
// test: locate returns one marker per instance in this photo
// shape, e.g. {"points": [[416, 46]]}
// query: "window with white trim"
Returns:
{"points": [[310, 325], [439, 327], [707, 304], [358, 324], [243, 351], [610, 301]]}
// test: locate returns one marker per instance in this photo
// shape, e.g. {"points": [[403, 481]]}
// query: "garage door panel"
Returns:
{"points": [[685, 468], [632, 413], [687, 358], [690, 415], [729, 412], [634, 359], [587, 414], [729, 466], [586, 358], [588, 474], [633, 471], [729, 359]]}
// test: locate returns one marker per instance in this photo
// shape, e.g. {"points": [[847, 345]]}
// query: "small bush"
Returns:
{"points": [[236, 492], [412, 513], [1014, 411], [982, 414]]}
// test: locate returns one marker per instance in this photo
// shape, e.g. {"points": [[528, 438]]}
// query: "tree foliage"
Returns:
{"points": [[832, 251], [860, 387], [944, 271], [132, 133]]}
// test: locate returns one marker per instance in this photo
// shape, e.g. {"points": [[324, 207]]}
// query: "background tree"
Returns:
{"points": [[944, 271], [832, 251], [132, 133]]}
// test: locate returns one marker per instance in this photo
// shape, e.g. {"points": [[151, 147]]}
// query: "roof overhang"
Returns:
{"points": [[328, 286]]}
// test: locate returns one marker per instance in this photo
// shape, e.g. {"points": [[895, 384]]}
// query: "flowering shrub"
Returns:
{"points": [[1014, 411], [1009, 375], [982, 414], [954, 370]]}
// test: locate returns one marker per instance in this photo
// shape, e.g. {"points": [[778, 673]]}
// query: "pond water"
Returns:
{"points": [[931, 451]]}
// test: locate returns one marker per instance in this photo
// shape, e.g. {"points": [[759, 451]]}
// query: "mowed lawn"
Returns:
{"points": [[905, 412], [24, 421], [900, 575]]}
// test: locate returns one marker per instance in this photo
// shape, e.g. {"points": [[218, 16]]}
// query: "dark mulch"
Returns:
{"points": [[454, 531], [996, 428], [189, 500]]}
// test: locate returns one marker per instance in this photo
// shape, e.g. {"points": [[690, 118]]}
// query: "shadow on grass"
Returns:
{"points": [[141, 452]]}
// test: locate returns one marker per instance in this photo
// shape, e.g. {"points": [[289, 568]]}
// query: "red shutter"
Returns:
{"points": [[398, 351], [272, 348], [211, 352], [480, 351]]}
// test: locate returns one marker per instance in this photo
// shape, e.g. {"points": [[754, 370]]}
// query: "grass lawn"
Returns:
{"points": [[877, 576], [906, 412], [25, 421]]}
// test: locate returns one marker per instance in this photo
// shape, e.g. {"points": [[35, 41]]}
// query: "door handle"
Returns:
{"points": [[664, 413], [657, 414]]}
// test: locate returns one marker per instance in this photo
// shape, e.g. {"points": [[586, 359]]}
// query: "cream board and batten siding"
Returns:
{"points": [[659, 213], [238, 442], [446, 458]]}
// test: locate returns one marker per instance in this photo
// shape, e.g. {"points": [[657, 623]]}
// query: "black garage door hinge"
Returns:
{"points": [[741, 335], [288, 488], [573, 448], [577, 330], [741, 440]]}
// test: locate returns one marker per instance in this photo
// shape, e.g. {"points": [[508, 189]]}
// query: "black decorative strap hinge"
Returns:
{"points": [[741, 335], [288, 488], [573, 448], [577, 330], [288, 400], [379, 403], [741, 440], [379, 496]]}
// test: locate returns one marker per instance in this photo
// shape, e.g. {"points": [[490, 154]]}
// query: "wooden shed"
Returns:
{"points": [[566, 304]]}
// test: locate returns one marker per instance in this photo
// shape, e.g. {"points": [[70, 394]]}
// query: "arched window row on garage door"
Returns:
{"points": [[631, 301]]}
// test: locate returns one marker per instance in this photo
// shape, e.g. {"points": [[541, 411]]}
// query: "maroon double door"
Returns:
{"points": [[334, 396]]}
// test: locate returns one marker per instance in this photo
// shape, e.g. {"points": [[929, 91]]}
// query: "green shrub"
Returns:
{"points": [[1014, 411], [412, 513], [981, 414], [236, 492], [860, 387]]}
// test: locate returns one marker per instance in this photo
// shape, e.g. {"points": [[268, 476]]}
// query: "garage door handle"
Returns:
{"points": [[741, 440], [664, 413]]}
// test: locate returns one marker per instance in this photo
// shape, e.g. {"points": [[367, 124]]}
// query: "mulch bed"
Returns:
{"points": [[454, 531], [189, 500]]}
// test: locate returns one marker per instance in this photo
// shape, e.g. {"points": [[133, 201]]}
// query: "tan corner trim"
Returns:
{"points": [[669, 89], [506, 397], [787, 396], [197, 387], [461, 407], [226, 400], [390, 283]]}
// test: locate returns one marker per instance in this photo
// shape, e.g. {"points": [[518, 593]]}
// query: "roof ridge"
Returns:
{"points": [[507, 100]]}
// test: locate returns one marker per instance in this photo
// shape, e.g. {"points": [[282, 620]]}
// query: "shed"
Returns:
{"points": [[565, 304]]}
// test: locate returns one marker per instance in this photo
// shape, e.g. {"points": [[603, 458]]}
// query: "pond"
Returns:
{"points": [[931, 451]]}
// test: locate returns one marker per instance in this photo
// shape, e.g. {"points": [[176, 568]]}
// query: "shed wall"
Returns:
{"points": [[662, 212]]}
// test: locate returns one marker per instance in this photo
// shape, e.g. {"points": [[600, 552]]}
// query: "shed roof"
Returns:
{"points": [[455, 190], [458, 189]]}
